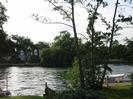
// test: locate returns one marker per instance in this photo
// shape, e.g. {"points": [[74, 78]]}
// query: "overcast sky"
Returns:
{"points": [[22, 23]]}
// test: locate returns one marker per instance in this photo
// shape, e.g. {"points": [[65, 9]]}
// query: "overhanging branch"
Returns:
{"points": [[47, 21], [59, 23], [60, 9]]}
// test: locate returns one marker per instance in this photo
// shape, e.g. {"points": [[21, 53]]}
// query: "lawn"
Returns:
{"points": [[23, 97], [119, 91]]}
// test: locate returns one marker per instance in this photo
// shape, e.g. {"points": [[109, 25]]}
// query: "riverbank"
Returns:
{"points": [[23, 97], [111, 61], [119, 61], [119, 91], [19, 64]]}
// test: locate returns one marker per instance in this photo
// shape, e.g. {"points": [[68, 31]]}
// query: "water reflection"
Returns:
{"points": [[122, 69], [31, 81]]}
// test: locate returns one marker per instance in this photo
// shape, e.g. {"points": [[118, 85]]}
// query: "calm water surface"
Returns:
{"points": [[31, 80], [122, 69]]}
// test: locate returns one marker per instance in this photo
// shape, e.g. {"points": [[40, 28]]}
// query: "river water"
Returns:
{"points": [[31, 80]]}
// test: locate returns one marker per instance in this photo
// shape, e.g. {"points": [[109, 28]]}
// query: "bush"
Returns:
{"points": [[55, 57], [131, 77], [80, 94], [72, 75]]}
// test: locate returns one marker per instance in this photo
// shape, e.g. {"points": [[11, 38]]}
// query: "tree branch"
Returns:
{"points": [[60, 9], [59, 23], [83, 36], [127, 6], [46, 21]]}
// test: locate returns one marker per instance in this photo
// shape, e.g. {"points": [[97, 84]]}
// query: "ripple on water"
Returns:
{"points": [[31, 80]]}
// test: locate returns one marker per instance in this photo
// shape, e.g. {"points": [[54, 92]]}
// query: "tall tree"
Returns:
{"points": [[3, 35], [42, 45], [66, 43], [96, 37], [23, 44], [129, 50], [70, 15]]}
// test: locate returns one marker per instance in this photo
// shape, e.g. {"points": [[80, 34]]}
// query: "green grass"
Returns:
{"points": [[23, 97], [119, 91]]}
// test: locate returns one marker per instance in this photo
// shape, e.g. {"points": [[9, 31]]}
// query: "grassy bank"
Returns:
{"points": [[2, 65], [23, 97], [119, 91]]}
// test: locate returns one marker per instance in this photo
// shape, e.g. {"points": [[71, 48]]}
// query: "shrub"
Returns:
{"points": [[55, 57], [80, 94], [72, 75], [131, 77]]}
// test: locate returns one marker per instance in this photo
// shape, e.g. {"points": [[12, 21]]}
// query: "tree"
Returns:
{"points": [[93, 60], [61, 53], [70, 15], [66, 43], [129, 52], [23, 44], [3, 42], [42, 45], [55, 57], [3, 35], [118, 50], [3, 17], [98, 39], [114, 28]]}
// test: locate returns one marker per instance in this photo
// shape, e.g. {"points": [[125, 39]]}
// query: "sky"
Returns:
{"points": [[22, 23]]}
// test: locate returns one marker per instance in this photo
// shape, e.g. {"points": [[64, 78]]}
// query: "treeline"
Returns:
{"points": [[62, 51], [124, 52], [19, 49]]}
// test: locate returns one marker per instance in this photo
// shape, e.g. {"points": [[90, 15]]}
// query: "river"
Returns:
{"points": [[23, 81], [30, 80]]}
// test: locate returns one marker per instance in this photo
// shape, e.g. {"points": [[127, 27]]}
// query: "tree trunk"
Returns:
{"points": [[82, 84], [110, 46]]}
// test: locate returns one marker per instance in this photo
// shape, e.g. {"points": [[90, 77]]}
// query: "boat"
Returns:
{"points": [[113, 78]]}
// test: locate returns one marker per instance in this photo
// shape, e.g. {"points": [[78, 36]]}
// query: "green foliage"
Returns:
{"points": [[3, 35], [3, 43], [94, 68], [3, 17], [17, 44], [55, 57], [131, 77], [23, 97], [61, 53], [80, 94], [65, 42], [72, 75], [22, 44], [119, 91], [129, 50], [118, 52], [42, 45]]}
